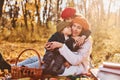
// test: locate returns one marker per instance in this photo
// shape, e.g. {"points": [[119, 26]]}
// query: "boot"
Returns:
{"points": [[4, 64]]}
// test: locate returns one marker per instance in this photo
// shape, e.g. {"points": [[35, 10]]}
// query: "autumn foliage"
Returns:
{"points": [[29, 24]]}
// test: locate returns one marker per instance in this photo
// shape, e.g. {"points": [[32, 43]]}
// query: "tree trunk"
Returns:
{"points": [[37, 3], [108, 17], [25, 15], [102, 16], [84, 2], [49, 11], [15, 15], [1, 6], [45, 11], [59, 2]]}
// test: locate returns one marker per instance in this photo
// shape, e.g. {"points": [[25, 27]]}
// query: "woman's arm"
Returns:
{"points": [[75, 59]]}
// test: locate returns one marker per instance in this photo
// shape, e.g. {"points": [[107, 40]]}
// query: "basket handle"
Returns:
{"points": [[39, 58]]}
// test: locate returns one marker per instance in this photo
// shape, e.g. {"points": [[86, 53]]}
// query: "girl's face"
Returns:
{"points": [[67, 30], [76, 29]]}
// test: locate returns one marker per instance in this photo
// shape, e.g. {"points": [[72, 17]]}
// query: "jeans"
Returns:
{"points": [[31, 62], [34, 63]]}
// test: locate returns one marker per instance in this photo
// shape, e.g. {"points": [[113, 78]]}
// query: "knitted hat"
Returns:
{"points": [[61, 25], [68, 12], [82, 21]]}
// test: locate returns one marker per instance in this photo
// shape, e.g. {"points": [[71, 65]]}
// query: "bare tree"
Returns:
{"points": [[48, 15], [1, 6], [59, 2], [109, 7], [45, 11], [37, 4], [84, 4], [100, 11], [14, 14], [25, 14]]}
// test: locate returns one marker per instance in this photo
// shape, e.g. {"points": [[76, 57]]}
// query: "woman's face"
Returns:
{"points": [[76, 29]]}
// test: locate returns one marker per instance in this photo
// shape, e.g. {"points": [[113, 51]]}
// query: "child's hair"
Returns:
{"points": [[61, 25]]}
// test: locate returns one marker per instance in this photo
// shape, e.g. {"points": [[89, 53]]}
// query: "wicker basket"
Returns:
{"points": [[21, 72]]}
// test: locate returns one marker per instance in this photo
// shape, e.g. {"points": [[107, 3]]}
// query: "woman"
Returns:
{"points": [[79, 60]]}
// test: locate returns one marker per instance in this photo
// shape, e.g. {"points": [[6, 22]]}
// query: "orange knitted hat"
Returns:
{"points": [[82, 21]]}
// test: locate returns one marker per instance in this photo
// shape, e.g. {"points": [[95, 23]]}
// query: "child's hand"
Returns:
{"points": [[67, 64], [55, 45], [47, 46]]}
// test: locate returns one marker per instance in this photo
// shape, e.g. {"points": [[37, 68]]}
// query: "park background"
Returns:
{"points": [[29, 23]]}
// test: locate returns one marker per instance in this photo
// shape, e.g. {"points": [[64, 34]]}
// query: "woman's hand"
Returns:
{"points": [[55, 44], [80, 40]]}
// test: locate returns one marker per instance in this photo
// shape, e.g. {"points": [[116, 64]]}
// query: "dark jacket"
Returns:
{"points": [[59, 37]]}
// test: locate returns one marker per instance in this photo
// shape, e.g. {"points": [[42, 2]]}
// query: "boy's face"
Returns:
{"points": [[67, 30]]}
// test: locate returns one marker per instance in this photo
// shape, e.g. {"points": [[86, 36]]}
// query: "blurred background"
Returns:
{"points": [[29, 24]]}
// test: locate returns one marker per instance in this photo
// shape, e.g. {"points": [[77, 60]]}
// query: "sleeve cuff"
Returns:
{"points": [[62, 49]]}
